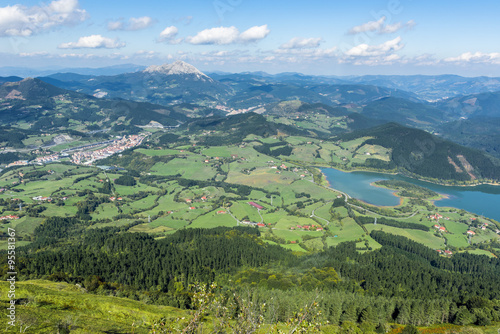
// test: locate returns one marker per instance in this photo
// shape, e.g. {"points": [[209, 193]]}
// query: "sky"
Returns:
{"points": [[317, 37]]}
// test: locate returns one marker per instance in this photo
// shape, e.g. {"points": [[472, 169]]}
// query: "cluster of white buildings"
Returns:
{"points": [[47, 159], [232, 111], [42, 198], [18, 163], [9, 217], [88, 157]]}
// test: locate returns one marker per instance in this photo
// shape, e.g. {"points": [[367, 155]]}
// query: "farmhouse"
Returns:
{"points": [[9, 217], [260, 207], [42, 198]]}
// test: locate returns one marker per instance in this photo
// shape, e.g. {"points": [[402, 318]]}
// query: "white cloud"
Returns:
{"points": [[368, 26], [371, 55], [219, 36], [133, 24], [168, 35], [34, 54], [308, 52], [477, 57], [254, 34], [229, 35], [19, 20], [115, 25], [140, 23], [380, 27], [93, 42], [302, 43], [365, 50]]}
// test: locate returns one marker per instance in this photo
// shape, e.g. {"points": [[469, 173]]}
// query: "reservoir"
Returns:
{"points": [[482, 200]]}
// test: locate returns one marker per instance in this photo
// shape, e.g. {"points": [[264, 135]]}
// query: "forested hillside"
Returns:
{"points": [[421, 153]]}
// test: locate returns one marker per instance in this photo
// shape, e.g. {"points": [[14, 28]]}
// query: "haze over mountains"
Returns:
{"points": [[447, 105]]}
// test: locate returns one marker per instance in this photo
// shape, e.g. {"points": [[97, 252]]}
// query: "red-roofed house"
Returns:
{"points": [[221, 212], [471, 232], [261, 225], [260, 207], [442, 229], [9, 217]]}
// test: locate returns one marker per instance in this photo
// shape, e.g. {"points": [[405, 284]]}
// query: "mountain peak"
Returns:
{"points": [[177, 68]]}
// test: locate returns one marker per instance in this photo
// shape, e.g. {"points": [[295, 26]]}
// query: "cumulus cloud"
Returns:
{"points": [[254, 34], [380, 27], [477, 57], [229, 35], [19, 20], [306, 54], [365, 50], [168, 35], [301, 43], [133, 24], [34, 54], [219, 36], [93, 42], [116, 25]]}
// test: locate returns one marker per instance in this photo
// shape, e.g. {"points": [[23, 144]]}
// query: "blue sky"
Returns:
{"points": [[314, 37]]}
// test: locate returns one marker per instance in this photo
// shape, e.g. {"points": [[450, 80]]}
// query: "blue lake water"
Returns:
{"points": [[482, 200]]}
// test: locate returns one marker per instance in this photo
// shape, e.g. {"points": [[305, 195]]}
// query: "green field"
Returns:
{"points": [[213, 219], [422, 237], [236, 164], [162, 152], [188, 168], [51, 304]]}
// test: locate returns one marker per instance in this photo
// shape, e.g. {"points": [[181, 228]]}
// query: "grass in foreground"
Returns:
{"points": [[43, 305]]}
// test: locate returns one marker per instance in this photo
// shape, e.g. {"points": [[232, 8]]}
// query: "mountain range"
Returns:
{"points": [[45, 107], [171, 92]]}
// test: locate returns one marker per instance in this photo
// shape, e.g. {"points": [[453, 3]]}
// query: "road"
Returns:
{"points": [[230, 213], [313, 215], [346, 196]]}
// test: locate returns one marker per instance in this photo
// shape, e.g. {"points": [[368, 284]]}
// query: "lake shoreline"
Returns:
{"points": [[496, 184], [480, 201], [441, 195]]}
